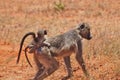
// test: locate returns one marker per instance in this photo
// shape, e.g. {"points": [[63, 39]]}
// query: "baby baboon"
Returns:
{"points": [[62, 46], [37, 42]]}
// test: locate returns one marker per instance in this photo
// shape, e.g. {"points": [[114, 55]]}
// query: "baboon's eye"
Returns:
{"points": [[45, 32], [82, 26]]}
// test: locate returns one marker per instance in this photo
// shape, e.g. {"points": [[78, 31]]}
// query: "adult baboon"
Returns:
{"points": [[62, 46]]}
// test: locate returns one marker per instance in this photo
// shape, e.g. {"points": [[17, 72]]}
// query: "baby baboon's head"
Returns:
{"points": [[41, 33], [38, 41], [84, 29]]}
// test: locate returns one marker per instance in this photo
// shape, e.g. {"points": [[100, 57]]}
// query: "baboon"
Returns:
{"points": [[37, 42], [63, 46]]}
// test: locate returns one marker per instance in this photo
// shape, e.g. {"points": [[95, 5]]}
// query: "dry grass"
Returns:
{"points": [[102, 53]]}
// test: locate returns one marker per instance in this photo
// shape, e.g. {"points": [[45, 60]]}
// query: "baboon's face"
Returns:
{"points": [[85, 31], [41, 33]]}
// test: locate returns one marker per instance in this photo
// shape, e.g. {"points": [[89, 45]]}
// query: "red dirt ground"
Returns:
{"points": [[101, 67]]}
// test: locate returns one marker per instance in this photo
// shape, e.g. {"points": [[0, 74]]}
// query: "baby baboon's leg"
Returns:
{"points": [[50, 65], [79, 58], [68, 66]]}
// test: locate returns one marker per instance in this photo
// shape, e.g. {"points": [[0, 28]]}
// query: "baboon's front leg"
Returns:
{"points": [[82, 64], [68, 66], [80, 60]]}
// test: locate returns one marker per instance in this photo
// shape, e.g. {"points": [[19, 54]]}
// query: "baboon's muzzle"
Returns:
{"points": [[89, 37]]}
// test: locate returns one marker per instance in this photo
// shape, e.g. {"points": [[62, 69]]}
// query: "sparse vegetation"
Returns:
{"points": [[59, 6]]}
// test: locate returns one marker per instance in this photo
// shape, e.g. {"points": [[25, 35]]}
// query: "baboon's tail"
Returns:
{"points": [[21, 44], [27, 56]]}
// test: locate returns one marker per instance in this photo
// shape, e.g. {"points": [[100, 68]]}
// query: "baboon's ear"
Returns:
{"points": [[82, 26], [45, 32]]}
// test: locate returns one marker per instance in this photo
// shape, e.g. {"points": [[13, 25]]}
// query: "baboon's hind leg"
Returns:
{"points": [[39, 72], [51, 66], [40, 67]]}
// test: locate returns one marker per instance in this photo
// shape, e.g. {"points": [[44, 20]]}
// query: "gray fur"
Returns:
{"points": [[62, 46]]}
